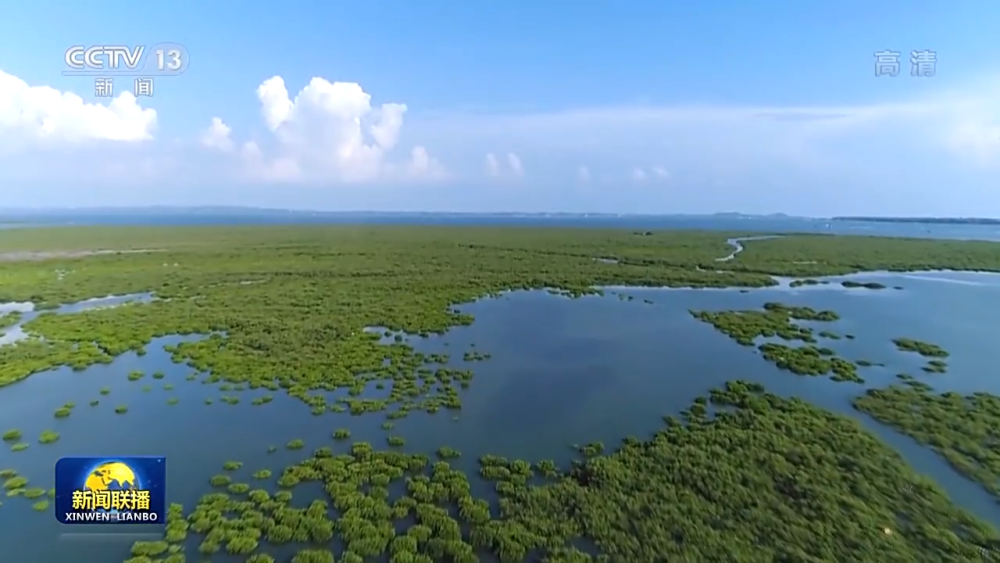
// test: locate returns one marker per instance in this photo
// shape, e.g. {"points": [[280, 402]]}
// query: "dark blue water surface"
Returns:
{"points": [[562, 371]]}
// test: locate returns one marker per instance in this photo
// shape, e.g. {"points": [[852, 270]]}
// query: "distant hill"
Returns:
{"points": [[925, 220]]}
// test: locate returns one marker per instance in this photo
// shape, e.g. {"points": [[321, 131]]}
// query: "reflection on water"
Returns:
{"points": [[561, 372]]}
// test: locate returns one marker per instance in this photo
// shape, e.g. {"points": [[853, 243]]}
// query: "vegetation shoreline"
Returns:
{"points": [[286, 309]]}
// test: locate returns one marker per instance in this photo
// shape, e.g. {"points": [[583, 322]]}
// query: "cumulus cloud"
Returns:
{"points": [[40, 113], [936, 152], [514, 162], [495, 169], [217, 136], [331, 131], [492, 165]]}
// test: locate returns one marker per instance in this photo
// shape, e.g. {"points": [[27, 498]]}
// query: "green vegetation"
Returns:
{"points": [[296, 444], [173, 401], [445, 452], [867, 285], [963, 429], [935, 366], [63, 412], [341, 434], [135, 375], [105, 390], [48, 437], [159, 375], [807, 282], [232, 465], [446, 266], [396, 441], [94, 403], [702, 489], [925, 349], [121, 409], [34, 493], [41, 505], [16, 482], [12, 435], [9, 319], [238, 488], [739, 492], [475, 356], [262, 474], [777, 320], [19, 447], [221, 480]]}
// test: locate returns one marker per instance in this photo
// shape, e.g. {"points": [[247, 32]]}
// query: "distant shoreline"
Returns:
{"points": [[925, 220]]}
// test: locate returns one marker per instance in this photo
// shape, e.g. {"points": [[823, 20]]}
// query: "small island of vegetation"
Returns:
{"points": [[925, 349]]}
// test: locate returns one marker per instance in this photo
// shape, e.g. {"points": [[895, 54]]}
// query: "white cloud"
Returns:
{"points": [[495, 169], [492, 165], [40, 113], [515, 164], [935, 153], [217, 136], [331, 132]]}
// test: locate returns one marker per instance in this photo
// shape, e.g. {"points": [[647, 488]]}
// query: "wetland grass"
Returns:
{"points": [[641, 502], [961, 428], [778, 320], [121, 409], [925, 349], [866, 285], [48, 437], [270, 335], [441, 259]]}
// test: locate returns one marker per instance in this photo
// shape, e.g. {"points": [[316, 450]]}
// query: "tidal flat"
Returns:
{"points": [[467, 376]]}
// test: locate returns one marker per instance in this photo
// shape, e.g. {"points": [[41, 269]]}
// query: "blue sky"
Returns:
{"points": [[633, 106]]}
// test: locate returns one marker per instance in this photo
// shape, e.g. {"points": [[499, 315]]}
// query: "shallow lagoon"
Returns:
{"points": [[561, 372]]}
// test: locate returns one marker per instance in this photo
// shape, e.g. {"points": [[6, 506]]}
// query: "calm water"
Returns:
{"points": [[601, 368]]}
